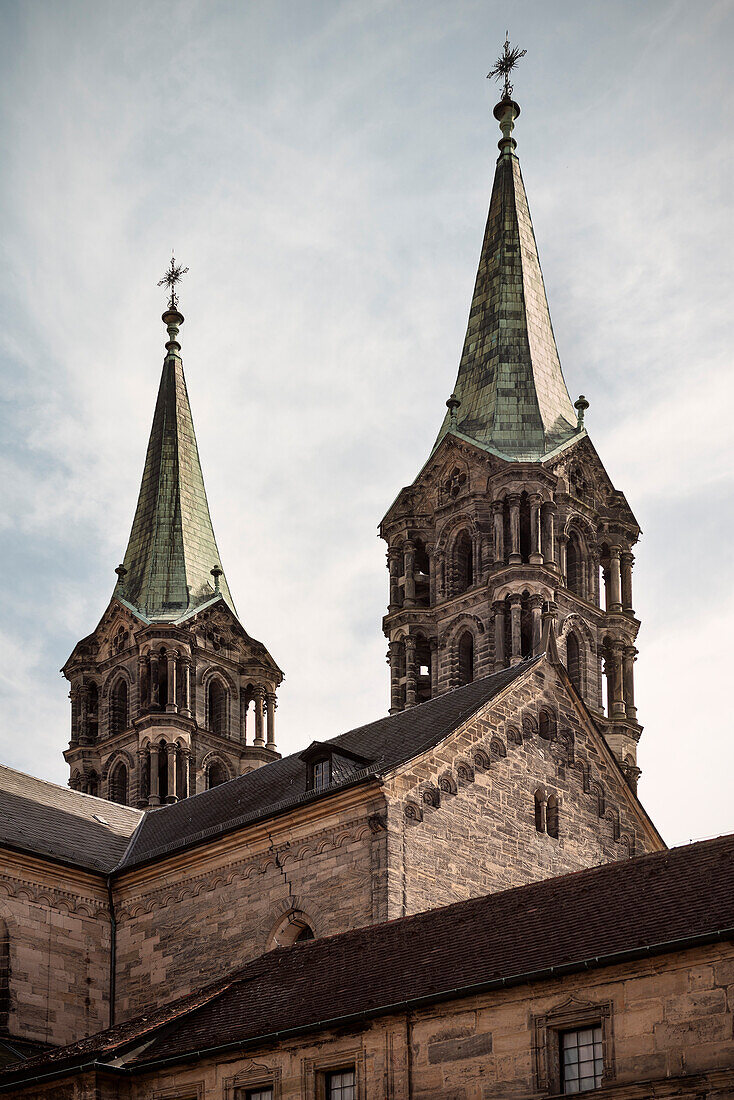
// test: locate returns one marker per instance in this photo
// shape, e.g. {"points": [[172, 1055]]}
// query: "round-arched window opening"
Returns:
{"points": [[216, 773], [293, 928]]}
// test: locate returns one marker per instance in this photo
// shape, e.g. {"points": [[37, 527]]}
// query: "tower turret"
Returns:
{"points": [[169, 694], [513, 513]]}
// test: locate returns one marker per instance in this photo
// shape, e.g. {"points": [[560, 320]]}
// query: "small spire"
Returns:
{"points": [[506, 110], [121, 574], [216, 572], [581, 406], [452, 405]]}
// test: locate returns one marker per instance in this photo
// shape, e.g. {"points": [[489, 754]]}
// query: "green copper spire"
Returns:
{"points": [[513, 399], [172, 551]]}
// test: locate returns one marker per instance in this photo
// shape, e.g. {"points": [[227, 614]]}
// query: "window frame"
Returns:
{"points": [[315, 764], [565, 1079], [316, 1071], [252, 1080], [548, 1030]]}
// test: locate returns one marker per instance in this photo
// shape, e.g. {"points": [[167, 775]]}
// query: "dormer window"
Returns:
{"points": [[321, 777]]}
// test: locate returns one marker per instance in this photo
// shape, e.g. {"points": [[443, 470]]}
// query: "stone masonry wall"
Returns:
{"points": [[192, 920], [666, 1022], [461, 818], [59, 937]]}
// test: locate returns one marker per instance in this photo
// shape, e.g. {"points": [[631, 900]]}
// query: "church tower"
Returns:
{"points": [[513, 527], [169, 694]]}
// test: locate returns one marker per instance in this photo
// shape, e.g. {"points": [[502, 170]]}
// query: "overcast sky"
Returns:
{"points": [[324, 169]]}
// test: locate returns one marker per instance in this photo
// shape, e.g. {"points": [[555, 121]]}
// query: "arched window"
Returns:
{"points": [[525, 541], [217, 708], [466, 658], [573, 660], [295, 927], [118, 708], [526, 626], [93, 784], [464, 560], [119, 784], [92, 711], [551, 817], [423, 668], [540, 811], [547, 725], [575, 566], [162, 680], [421, 574], [4, 975], [216, 773]]}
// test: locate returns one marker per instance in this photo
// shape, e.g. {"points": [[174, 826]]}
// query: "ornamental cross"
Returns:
{"points": [[171, 279], [504, 65]]}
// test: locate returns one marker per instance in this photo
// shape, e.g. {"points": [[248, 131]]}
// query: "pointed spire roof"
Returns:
{"points": [[513, 398], [167, 570]]}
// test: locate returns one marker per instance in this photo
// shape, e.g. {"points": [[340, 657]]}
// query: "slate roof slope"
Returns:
{"points": [[172, 547], [510, 383], [66, 825], [282, 784], [645, 905]]}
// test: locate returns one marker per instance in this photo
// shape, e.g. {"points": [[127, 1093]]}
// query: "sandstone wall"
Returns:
{"points": [[461, 818], [59, 939], [190, 920]]}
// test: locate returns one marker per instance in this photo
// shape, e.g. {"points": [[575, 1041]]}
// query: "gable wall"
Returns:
{"points": [[482, 838], [59, 938], [188, 921]]}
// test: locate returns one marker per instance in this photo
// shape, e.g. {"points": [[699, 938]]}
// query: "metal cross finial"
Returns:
{"points": [[504, 65], [172, 277]]}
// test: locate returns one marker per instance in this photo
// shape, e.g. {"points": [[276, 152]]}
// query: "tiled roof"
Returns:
{"points": [[172, 548], [510, 384], [55, 821], [597, 917], [282, 784]]}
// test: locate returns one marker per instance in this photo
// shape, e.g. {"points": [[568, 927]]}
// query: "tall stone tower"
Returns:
{"points": [[513, 516], [162, 689]]}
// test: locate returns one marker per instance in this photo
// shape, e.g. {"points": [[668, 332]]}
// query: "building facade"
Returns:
{"points": [[464, 898]]}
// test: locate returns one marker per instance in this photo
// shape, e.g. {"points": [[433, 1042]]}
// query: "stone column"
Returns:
{"points": [[536, 612], [630, 653], [142, 684], [615, 580], [431, 573], [594, 566], [244, 707], [499, 530], [627, 561], [186, 686], [411, 672], [171, 705], [562, 563], [409, 566], [154, 798], [393, 656], [154, 684], [548, 518], [617, 693], [536, 553], [516, 628], [143, 772], [185, 773], [172, 795], [433, 644], [270, 705], [393, 564], [259, 700], [515, 556], [498, 608], [75, 709]]}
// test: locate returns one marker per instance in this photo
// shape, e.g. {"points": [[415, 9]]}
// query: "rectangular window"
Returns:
{"points": [[341, 1085], [321, 774], [259, 1094], [582, 1062]]}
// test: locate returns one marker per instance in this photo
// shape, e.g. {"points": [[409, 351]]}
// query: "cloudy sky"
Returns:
{"points": [[324, 168]]}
